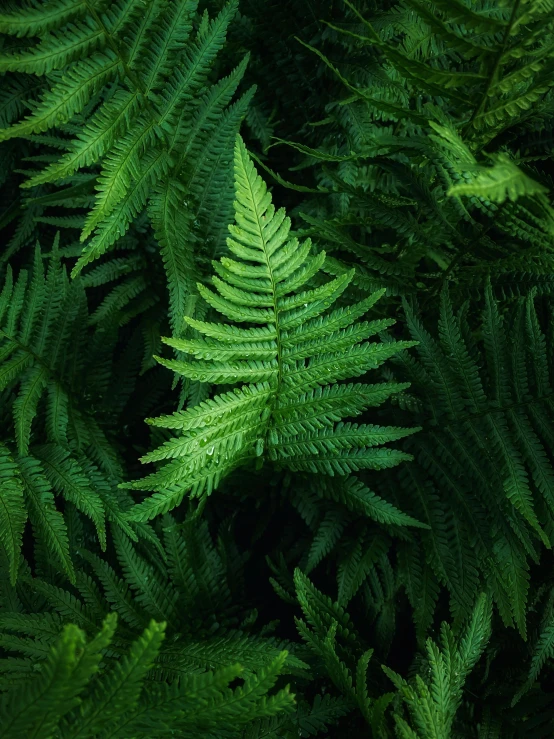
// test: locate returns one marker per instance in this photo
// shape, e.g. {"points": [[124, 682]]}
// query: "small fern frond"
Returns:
{"points": [[13, 514], [504, 180], [433, 701]]}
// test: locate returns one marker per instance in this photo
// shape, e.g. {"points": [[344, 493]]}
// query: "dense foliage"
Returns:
{"points": [[276, 369]]}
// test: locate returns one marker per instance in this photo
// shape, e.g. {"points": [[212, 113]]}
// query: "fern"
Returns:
{"points": [[75, 693], [433, 703], [433, 698], [288, 406], [144, 684], [509, 48], [411, 140], [392, 207], [503, 180], [143, 73], [190, 575], [14, 514], [43, 335], [483, 453]]}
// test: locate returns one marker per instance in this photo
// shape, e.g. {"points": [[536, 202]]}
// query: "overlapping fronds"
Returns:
{"points": [[484, 478], [404, 158], [134, 78], [78, 692], [411, 140], [51, 362]]}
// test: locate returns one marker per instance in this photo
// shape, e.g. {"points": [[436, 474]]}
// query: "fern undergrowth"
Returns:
{"points": [[276, 369]]}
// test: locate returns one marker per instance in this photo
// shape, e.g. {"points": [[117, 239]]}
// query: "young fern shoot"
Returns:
{"points": [[290, 361]]}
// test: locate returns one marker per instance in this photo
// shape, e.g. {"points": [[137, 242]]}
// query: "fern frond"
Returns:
{"points": [[358, 498], [47, 520], [36, 708], [43, 334], [35, 19], [143, 71], [118, 691], [489, 427], [503, 180], [13, 514], [297, 349], [433, 702]]}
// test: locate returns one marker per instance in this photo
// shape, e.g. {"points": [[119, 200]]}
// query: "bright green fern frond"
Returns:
{"points": [[117, 692], [289, 361], [504, 180], [34, 709], [434, 699]]}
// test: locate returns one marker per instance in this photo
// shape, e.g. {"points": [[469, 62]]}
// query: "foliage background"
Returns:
{"points": [[408, 593]]}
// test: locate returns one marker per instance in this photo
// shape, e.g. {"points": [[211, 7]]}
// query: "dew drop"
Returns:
{"points": [[210, 451]]}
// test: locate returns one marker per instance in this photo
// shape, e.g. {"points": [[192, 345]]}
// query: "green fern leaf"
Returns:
{"points": [[38, 708], [296, 348], [47, 520], [503, 180], [13, 514], [118, 691], [34, 20]]}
